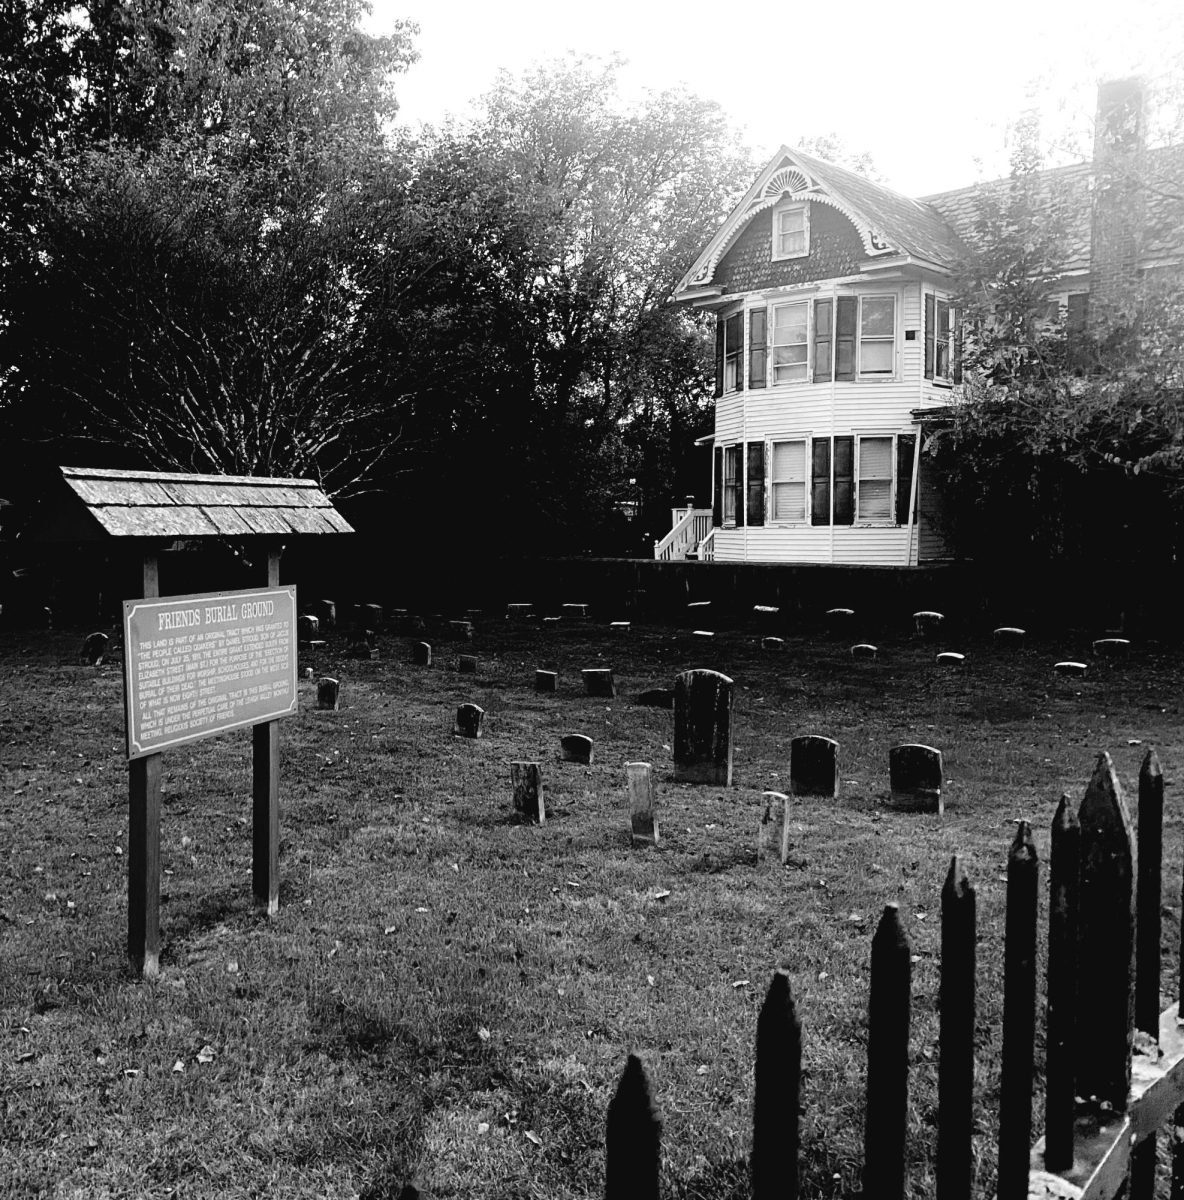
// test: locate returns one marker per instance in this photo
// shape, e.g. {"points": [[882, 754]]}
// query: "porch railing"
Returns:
{"points": [[691, 526]]}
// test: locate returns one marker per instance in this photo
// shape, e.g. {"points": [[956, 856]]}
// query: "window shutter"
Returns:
{"points": [[823, 344], [756, 483], [717, 493], [844, 481], [719, 357], [929, 334], [820, 482], [757, 353], [846, 318], [906, 448]]}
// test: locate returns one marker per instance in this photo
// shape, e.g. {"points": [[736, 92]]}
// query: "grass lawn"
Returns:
{"points": [[447, 996]]}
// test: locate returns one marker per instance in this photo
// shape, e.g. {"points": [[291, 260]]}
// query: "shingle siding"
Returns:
{"points": [[835, 250]]}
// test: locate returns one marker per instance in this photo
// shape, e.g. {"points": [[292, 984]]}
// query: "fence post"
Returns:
{"points": [[887, 1060], [1019, 1016], [955, 1080], [1105, 1017], [631, 1138], [1147, 938], [1059, 1082], [776, 1094]]}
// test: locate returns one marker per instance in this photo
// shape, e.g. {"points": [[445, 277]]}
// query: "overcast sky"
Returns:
{"points": [[928, 89]]}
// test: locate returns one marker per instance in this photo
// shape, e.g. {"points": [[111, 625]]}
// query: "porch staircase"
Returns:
{"points": [[691, 536]]}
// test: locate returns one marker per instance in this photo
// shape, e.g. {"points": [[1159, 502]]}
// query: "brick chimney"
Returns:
{"points": [[1119, 203]]}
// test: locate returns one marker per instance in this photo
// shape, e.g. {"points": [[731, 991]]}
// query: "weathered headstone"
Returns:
{"points": [[619, 626], [363, 650], [519, 612], [698, 606], [468, 721], [915, 778], [839, 621], [545, 681], [643, 817], [772, 643], [865, 650], [1009, 635], [598, 681], [326, 612], [410, 623], [467, 664], [421, 654], [703, 727], [462, 631], [307, 627], [706, 634], [775, 827], [574, 612], [1070, 667], [527, 778], [370, 615], [814, 766], [764, 611], [94, 649], [307, 673], [657, 698], [950, 658], [552, 620], [576, 748], [1111, 647], [927, 622], [328, 693]]}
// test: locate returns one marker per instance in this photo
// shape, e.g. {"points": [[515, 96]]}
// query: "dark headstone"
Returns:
{"points": [[519, 612], [370, 615], [552, 620], [1009, 635], [705, 634], [814, 766], [703, 727], [619, 626], [598, 681], [839, 621], [643, 817], [467, 664], [328, 693], [94, 649], [950, 658], [927, 622], [421, 654], [307, 627], [409, 623], [527, 778], [462, 631], [326, 612], [307, 673], [576, 747], [764, 612], [864, 650], [657, 698], [468, 721], [1111, 647], [1070, 667], [363, 651], [545, 681], [574, 612], [772, 643], [915, 777]]}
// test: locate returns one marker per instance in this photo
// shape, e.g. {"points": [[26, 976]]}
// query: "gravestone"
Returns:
{"points": [[927, 622], [950, 658], [410, 623], [94, 649], [915, 778], [363, 649], [328, 693], [598, 681], [308, 673], [839, 621], [574, 612], [1069, 667], [545, 681], [467, 664], [552, 620], [462, 631], [772, 837], [619, 626], [772, 643], [703, 727], [643, 817], [1111, 647], [421, 654], [814, 766], [764, 611], [370, 615], [1009, 635], [865, 650], [468, 721], [657, 698], [519, 612], [307, 627], [326, 612], [527, 778], [576, 748], [705, 634]]}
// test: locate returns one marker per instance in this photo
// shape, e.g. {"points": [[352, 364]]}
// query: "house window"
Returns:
{"points": [[791, 231], [732, 483], [941, 341], [790, 342], [874, 494], [733, 352], [877, 335], [789, 481]]}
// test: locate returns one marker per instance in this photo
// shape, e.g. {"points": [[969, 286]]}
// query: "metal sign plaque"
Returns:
{"points": [[203, 664]]}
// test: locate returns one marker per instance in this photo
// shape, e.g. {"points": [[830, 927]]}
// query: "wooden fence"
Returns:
{"points": [[1114, 1064]]}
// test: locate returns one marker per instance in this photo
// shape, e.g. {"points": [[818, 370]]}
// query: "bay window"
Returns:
{"points": [[790, 324], [877, 335], [789, 481], [874, 494]]}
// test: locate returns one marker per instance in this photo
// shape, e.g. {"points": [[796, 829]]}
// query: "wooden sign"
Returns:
{"points": [[202, 664]]}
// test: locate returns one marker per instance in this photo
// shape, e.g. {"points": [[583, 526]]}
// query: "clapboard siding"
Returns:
{"points": [[819, 543]]}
